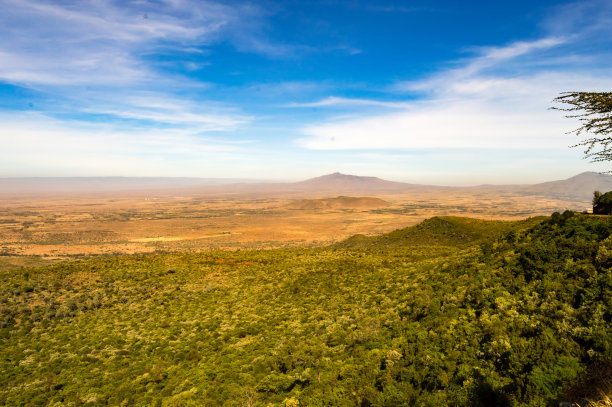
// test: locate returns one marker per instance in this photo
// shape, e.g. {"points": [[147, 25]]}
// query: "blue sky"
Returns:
{"points": [[440, 92]]}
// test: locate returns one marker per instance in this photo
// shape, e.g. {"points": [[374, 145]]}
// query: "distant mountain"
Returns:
{"points": [[343, 183], [341, 202], [338, 180], [579, 187], [324, 186]]}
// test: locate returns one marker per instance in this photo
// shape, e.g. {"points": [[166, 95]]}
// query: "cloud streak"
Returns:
{"points": [[343, 102], [152, 108], [488, 58]]}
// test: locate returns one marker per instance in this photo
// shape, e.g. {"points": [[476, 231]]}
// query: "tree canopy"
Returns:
{"points": [[594, 110]]}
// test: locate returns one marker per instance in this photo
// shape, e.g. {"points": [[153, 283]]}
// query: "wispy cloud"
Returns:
{"points": [[487, 58], [386, 7], [339, 101], [97, 42], [586, 19], [155, 109]]}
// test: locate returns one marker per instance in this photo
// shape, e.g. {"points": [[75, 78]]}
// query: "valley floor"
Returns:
{"points": [[43, 230]]}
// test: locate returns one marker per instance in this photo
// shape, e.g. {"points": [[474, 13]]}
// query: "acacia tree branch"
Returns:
{"points": [[594, 111]]}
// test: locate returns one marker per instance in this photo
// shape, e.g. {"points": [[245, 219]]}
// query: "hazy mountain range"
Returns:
{"points": [[579, 187]]}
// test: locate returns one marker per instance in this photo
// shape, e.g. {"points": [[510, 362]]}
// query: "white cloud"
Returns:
{"points": [[449, 125], [339, 101], [478, 105]]}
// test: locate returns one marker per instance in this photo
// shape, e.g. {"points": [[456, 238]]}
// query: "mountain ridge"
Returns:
{"points": [[578, 187], [582, 184]]}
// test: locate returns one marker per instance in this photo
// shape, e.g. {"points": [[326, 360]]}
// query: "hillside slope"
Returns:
{"points": [[579, 187], [439, 231]]}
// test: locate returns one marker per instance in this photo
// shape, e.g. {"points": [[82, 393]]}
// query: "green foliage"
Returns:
{"points": [[549, 379], [596, 197], [449, 231], [604, 198], [602, 203], [594, 110], [513, 315]]}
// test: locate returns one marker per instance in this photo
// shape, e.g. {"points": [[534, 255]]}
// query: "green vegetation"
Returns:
{"points": [[453, 312], [451, 231], [602, 203]]}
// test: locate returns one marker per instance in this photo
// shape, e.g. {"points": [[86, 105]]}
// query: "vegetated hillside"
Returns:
{"points": [[439, 231], [512, 320], [341, 202]]}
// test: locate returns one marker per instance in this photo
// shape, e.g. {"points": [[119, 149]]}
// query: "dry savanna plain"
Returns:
{"points": [[37, 230]]}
